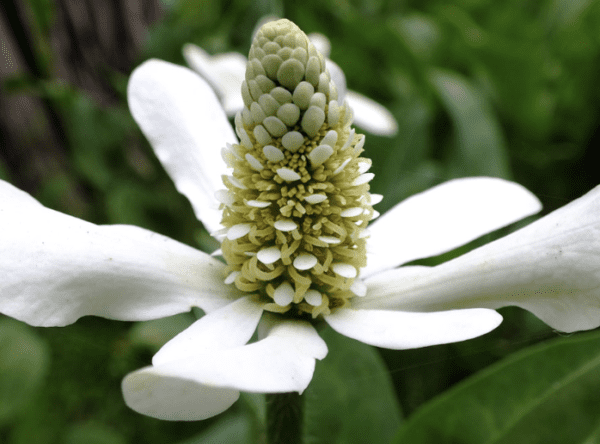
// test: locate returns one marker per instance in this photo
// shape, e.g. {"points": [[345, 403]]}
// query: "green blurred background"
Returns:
{"points": [[507, 89]]}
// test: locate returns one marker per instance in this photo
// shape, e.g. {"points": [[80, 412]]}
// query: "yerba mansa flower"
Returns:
{"points": [[292, 222], [297, 202]]}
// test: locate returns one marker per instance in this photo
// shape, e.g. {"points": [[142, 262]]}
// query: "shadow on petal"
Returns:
{"points": [[161, 395], [57, 268], [551, 268], [443, 218], [284, 361], [187, 127], [399, 330]]}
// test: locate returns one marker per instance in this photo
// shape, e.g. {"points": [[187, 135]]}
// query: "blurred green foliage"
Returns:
{"points": [[545, 394], [506, 89]]}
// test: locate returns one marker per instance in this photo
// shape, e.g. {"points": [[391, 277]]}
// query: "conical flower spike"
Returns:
{"points": [[299, 156]]}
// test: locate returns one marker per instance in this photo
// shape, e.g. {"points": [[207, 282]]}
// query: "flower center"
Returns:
{"points": [[297, 201]]}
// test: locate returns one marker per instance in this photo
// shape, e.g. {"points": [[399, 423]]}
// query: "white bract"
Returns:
{"points": [[225, 73], [56, 268]]}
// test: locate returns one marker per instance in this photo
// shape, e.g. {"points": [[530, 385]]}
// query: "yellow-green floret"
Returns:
{"points": [[298, 199]]}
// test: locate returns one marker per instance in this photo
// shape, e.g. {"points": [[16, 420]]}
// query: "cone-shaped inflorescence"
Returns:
{"points": [[298, 199]]}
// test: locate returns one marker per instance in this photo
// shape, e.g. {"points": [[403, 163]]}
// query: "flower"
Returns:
{"points": [[57, 268], [225, 73]]}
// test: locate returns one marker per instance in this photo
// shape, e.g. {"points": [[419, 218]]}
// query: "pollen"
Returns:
{"points": [[297, 199]]}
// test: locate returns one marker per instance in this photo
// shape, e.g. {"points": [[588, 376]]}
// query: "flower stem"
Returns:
{"points": [[284, 418]]}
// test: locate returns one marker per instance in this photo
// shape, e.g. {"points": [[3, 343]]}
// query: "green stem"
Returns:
{"points": [[284, 418]]}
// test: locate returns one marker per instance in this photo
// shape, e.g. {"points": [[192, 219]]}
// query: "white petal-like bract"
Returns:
{"points": [[185, 124], [403, 330], [208, 383], [57, 268], [444, 218], [551, 268]]}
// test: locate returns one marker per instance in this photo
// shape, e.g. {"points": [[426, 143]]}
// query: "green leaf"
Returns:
{"points": [[93, 433], [403, 166], [421, 34], [230, 429], [157, 332], [480, 146], [350, 399], [24, 361], [546, 394], [44, 12]]}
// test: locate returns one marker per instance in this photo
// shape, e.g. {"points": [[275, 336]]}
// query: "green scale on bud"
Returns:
{"points": [[297, 201]]}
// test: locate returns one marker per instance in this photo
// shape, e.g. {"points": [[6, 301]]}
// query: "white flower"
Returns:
{"points": [[56, 268], [225, 73]]}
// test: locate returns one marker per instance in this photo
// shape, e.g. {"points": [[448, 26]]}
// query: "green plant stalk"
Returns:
{"points": [[284, 418]]}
